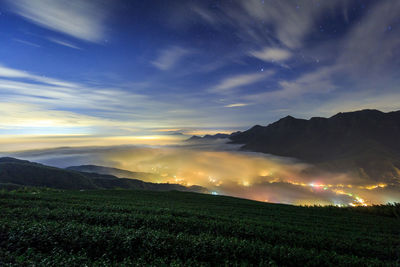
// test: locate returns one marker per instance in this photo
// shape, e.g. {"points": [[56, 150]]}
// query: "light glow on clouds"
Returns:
{"points": [[18, 142], [236, 105], [249, 175]]}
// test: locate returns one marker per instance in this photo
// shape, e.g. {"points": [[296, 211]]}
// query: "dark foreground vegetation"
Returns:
{"points": [[122, 227]]}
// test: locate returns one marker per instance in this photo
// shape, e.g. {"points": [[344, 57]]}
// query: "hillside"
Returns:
{"points": [[365, 142], [26, 173], [139, 228], [113, 171], [15, 172]]}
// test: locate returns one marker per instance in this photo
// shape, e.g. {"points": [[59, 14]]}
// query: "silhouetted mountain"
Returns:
{"points": [[208, 137], [194, 138], [366, 142], [113, 171], [15, 172], [22, 172]]}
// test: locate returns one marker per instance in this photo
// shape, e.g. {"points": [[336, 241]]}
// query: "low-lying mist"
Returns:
{"points": [[224, 170]]}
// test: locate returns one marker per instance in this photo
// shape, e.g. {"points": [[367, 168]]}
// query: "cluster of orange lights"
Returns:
{"points": [[339, 189]]}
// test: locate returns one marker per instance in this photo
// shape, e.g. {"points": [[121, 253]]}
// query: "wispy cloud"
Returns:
{"points": [[271, 54], [169, 57], [77, 18], [37, 102], [233, 82], [63, 43], [22, 115], [365, 62], [7, 72], [372, 44], [26, 43], [235, 105], [359, 100], [14, 73], [278, 22], [318, 82], [28, 98], [361, 55]]}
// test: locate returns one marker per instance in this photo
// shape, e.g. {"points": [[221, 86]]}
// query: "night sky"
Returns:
{"points": [[152, 68]]}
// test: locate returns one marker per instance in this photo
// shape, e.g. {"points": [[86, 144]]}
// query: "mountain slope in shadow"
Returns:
{"points": [[15, 172], [113, 171]]}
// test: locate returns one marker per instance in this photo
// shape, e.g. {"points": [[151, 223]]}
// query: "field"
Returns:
{"points": [[122, 227]]}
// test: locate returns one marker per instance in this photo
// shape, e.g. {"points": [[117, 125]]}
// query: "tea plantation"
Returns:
{"points": [[139, 228]]}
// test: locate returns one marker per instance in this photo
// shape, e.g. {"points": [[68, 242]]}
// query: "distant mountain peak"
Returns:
{"points": [[365, 112], [208, 137], [194, 137], [288, 117]]}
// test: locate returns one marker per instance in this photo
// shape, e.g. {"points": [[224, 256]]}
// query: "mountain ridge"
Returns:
{"points": [[364, 141], [208, 137]]}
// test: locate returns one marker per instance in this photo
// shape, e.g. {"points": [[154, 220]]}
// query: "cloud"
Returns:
{"points": [[371, 46], [284, 23], [361, 56], [362, 74], [27, 104], [26, 43], [317, 82], [109, 110], [169, 57], [77, 18], [236, 105], [12, 143], [63, 43], [271, 54], [359, 100], [14, 73], [232, 82], [225, 171], [17, 116]]}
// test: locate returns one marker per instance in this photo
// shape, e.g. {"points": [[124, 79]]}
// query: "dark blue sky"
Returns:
{"points": [[102, 68]]}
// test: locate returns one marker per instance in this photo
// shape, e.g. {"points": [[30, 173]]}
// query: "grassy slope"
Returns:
{"points": [[176, 228]]}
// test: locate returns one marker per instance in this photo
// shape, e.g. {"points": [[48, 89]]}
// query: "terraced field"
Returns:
{"points": [[121, 227]]}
